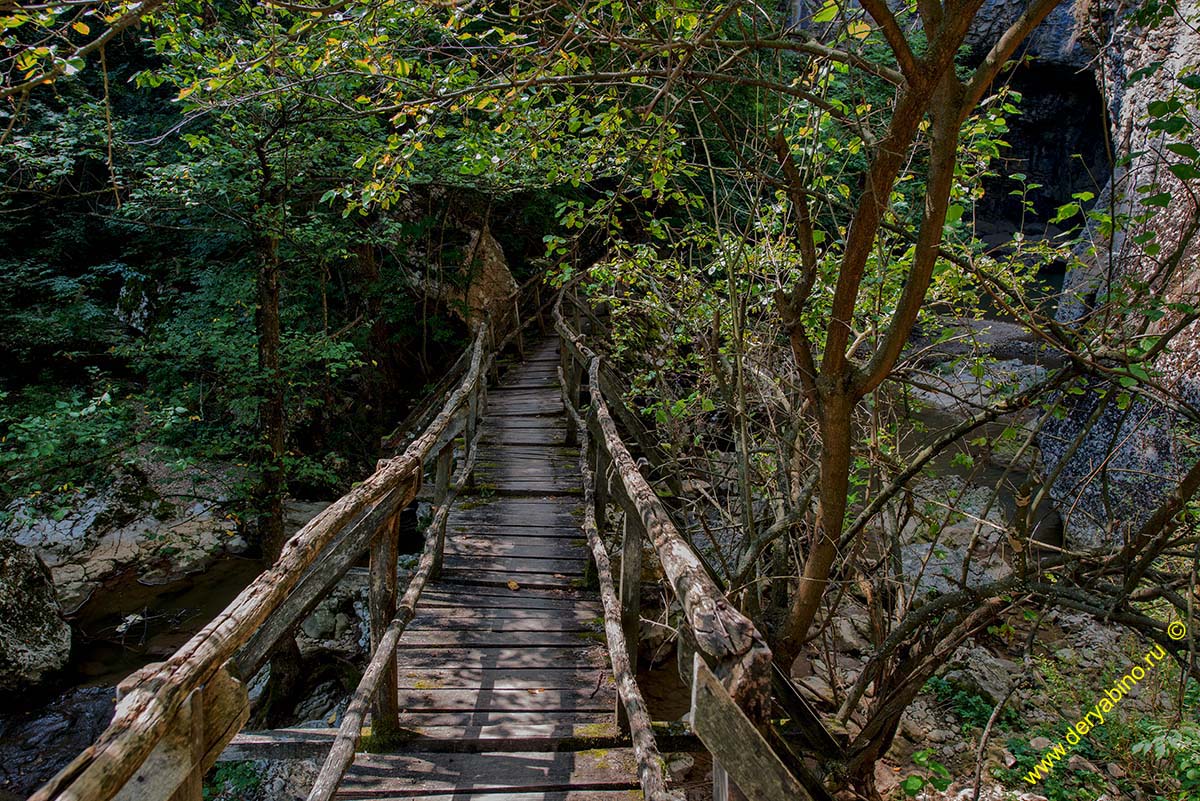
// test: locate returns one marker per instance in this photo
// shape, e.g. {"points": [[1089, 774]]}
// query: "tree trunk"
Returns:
{"points": [[835, 418], [286, 674], [271, 419]]}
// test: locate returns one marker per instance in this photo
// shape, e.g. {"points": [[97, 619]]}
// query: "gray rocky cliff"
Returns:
{"points": [[1131, 457]]}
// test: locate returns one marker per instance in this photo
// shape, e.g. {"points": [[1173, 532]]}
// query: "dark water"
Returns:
{"points": [[109, 645]]}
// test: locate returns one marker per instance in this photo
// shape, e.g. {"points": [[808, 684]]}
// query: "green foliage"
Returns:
{"points": [[972, 709], [1177, 749], [49, 446], [1062, 784], [933, 773], [232, 780]]}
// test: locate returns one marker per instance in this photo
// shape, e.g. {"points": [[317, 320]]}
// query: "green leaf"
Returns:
{"points": [[1162, 200], [828, 12], [912, 785], [1185, 149], [1184, 172], [1066, 212], [954, 214]]}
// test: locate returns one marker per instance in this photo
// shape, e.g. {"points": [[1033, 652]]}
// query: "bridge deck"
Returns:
{"points": [[506, 688]]}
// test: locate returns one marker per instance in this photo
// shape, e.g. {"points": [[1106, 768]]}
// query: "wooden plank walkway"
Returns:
{"points": [[506, 692]]}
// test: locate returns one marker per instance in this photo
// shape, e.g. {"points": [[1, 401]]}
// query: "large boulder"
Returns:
{"points": [[492, 285], [34, 639]]}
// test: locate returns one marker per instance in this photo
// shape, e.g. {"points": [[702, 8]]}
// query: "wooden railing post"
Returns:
{"points": [[204, 723], [441, 486], [569, 371], [473, 406], [385, 709], [600, 465], [630, 595], [537, 298], [192, 731], [517, 323]]}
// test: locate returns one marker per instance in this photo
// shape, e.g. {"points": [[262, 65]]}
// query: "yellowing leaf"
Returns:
{"points": [[859, 30], [82, 28], [514, 586]]}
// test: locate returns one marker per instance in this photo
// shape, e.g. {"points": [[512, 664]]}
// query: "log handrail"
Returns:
{"points": [[341, 753], [156, 698], [651, 768], [729, 641], [726, 641]]}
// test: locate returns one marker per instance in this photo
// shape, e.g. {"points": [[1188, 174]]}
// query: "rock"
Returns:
{"points": [[237, 545], [34, 639], [977, 670], [323, 707], [1131, 459], [1040, 743], [36, 745], [491, 282], [1115, 770], [322, 623], [886, 779], [1008, 759], [1055, 41], [128, 524], [679, 766], [816, 688], [847, 638], [941, 736]]}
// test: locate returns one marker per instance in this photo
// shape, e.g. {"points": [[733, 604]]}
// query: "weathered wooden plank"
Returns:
{"points": [[541, 455], [532, 436], [517, 600], [452, 677], [544, 795], [514, 511], [485, 717], [524, 413], [516, 531], [569, 597], [530, 402], [534, 699], [501, 579], [547, 625], [514, 737], [516, 422], [513, 564], [518, 487], [489, 618], [535, 547], [733, 740], [576, 656], [392, 776], [493, 639]]}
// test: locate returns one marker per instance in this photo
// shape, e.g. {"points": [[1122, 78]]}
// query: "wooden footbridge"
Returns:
{"points": [[506, 669]]}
